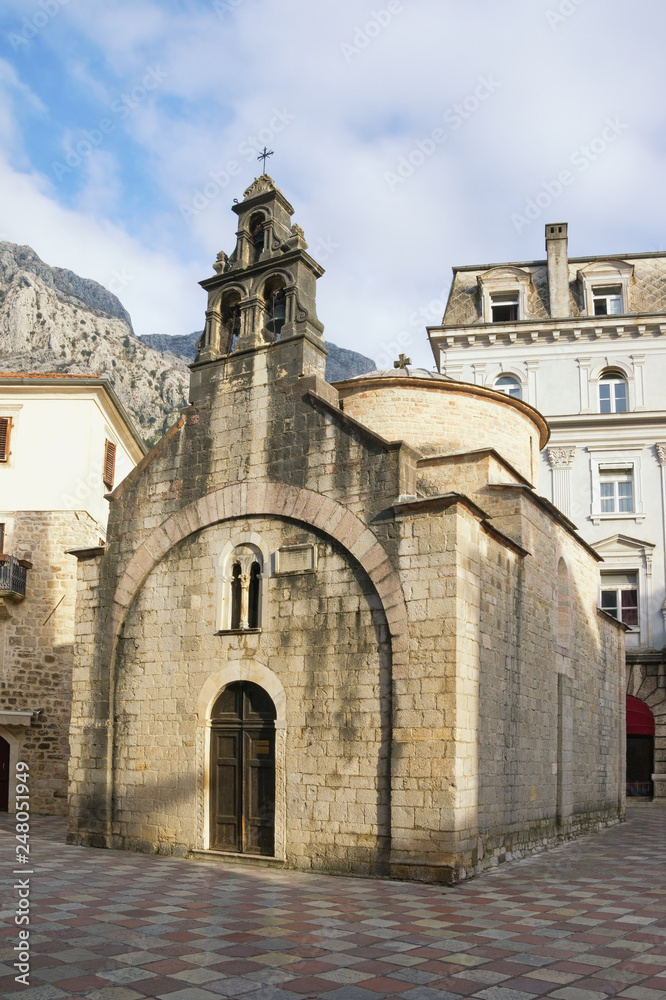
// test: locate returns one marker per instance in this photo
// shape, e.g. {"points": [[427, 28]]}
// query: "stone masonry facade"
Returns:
{"points": [[446, 693], [37, 647]]}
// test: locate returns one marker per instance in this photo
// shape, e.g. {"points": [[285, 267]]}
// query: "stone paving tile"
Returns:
{"points": [[586, 921]]}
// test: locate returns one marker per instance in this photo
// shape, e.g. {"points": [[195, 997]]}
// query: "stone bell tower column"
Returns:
{"points": [[263, 294]]}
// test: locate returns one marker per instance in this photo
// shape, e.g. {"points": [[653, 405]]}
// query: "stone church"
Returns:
{"points": [[335, 627]]}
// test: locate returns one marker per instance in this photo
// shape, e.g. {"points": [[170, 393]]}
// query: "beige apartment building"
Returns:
{"points": [[65, 442]]}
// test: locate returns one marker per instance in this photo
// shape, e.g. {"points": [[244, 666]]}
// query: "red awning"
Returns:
{"points": [[640, 720]]}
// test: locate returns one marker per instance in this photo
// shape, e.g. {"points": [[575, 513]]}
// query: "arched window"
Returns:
{"points": [[509, 385], [275, 305], [242, 596], [256, 237], [231, 322], [612, 392]]}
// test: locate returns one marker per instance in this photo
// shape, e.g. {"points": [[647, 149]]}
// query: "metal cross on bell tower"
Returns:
{"points": [[264, 154]]}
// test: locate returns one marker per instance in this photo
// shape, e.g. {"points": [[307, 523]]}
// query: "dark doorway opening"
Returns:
{"points": [[242, 771], [640, 748]]}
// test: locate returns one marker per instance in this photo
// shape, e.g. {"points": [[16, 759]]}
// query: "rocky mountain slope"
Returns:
{"points": [[53, 320], [340, 362]]}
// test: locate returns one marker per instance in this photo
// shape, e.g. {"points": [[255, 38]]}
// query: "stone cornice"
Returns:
{"points": [[587, 329]]}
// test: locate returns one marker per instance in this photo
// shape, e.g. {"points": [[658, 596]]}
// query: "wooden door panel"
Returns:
{"points": [[259, 792], [226, 783], [242, 771]]}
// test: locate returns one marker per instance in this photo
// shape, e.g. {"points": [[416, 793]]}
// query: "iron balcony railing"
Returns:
{"points": [[13, 576]]}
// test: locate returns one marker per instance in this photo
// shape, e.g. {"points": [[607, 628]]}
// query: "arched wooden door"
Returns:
{"points": [[242, 771], [4, 775], [640, 748]]}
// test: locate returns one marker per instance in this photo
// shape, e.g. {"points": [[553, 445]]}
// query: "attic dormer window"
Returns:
{"points": [[607, 300], [504, 306]]}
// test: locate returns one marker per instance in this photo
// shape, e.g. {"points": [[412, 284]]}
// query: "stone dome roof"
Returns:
{"points": [[421, 373]]}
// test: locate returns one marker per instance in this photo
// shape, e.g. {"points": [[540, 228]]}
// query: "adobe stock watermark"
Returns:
{"points": [[225, 7], [219, 180], [364, 34], [323, 249], [455, 117], [564, 10], [31, 26], [119, 280], [582, 159], [122, 107]]}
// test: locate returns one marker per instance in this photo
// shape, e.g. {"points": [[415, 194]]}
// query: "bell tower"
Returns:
{"points": [[263, 294]]}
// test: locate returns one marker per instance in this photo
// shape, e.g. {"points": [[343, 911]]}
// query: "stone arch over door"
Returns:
{"points": [[256, 500], [256, 673]]}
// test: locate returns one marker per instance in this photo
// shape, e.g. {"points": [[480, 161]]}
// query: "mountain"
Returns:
{"points": [[52, 320], [340, 362]]}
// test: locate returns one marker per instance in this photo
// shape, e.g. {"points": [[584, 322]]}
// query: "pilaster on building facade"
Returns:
{"points": [[584, 340], [65, 442], [334, 626]]}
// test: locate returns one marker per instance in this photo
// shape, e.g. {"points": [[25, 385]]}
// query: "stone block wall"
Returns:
{"points": [[448, 417], [428, 640], [36, 648]]}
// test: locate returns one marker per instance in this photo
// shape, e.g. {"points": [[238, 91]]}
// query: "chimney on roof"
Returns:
{"points": [[558, 269]]}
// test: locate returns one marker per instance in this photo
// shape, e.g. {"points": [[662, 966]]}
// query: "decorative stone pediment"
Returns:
{"points": [[259, 186], [617, 550], [504, 277], [616, 544]]}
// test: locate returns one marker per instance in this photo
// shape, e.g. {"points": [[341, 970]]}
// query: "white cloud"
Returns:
{"points": [[355, 118]]}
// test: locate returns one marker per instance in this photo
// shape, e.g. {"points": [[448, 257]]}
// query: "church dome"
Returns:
{"points": [[399, 373], [442, 416]]}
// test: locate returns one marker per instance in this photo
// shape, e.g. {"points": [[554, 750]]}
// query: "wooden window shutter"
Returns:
{"points": [[5, 428], [109, 464]]}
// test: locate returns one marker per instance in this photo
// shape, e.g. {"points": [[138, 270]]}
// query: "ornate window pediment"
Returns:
{"points": [[504, 294], [606, 287]]}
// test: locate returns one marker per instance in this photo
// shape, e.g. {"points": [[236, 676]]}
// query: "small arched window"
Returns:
{"points": [[242, 598], [612, 392], [509, 385]]}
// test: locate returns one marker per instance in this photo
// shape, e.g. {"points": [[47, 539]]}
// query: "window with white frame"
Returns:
{"points": [[504, 306], [616, 490], [619, 596], [509, 385], [607, 300], [612, 393]]}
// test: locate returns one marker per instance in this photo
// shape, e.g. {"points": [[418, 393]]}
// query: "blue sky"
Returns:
{"points": [[410, 135]]}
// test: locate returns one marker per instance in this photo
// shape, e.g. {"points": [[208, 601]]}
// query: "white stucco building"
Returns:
{"points": [[65, 442], [584, 340]]}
